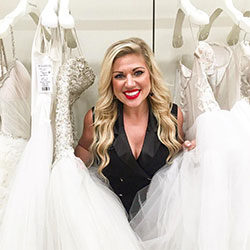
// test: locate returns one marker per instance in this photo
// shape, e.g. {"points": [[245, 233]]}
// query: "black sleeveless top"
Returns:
{"points": [[126, 174]]}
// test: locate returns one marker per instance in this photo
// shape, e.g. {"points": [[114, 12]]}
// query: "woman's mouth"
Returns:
{"points": [[132, 94]]}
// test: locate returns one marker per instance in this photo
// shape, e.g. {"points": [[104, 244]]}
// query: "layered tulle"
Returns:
{"points": [[23, 225], [83, 212], [201, 201]]}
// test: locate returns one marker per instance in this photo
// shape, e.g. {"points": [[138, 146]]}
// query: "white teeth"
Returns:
{"points": [[132, 93]]}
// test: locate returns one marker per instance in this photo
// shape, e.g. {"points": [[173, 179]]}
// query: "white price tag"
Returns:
{"points": [[45, 78]]}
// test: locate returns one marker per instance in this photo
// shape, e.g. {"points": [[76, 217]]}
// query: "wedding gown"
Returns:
{"points": [[15, 87], [23, 226], [201, 201], [83, 212], [222, 73]]}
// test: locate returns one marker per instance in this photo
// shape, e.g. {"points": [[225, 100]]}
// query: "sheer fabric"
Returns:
{"points": [[200, 202]]}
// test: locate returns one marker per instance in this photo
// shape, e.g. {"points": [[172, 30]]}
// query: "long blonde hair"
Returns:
{"points": [[106, 106]]}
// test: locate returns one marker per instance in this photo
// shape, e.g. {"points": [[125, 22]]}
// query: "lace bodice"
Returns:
{"points": [[196, 93], [223, 68], [15, 102], [74, 77]]}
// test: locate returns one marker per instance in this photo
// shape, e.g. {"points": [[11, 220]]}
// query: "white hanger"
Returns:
{"points": [[205, 29], [177, 40], [233, 36], [49, 16], [195, 16], [235, 14], [241, 21], [66, 20], [24, 7]]}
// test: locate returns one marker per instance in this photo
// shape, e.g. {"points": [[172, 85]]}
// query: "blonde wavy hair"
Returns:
{"points": [[106, 106]]}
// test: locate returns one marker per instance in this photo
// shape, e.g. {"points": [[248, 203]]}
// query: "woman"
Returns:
{"points": [[134, 128]]}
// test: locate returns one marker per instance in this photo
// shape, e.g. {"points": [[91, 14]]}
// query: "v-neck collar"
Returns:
{"points": [[150, 145]]}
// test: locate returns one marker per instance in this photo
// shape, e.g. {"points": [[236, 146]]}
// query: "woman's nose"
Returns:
{"points": [[130, 81]]}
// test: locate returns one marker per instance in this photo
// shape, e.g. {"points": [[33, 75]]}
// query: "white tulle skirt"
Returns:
{"points": [[83, 212], [202, 201], [23, 225], [10, 152]]}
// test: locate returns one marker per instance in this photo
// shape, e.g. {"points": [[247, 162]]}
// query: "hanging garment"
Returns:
{"points": [[15, 88], [201, 201], [83, 212], [223, 74], [23, 226]]}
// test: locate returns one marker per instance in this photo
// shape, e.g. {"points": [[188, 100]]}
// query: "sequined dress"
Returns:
{"points": [[83, 212], [201, 201]]}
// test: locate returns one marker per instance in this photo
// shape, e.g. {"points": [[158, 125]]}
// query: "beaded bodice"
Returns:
{"points": [[74, 77]]}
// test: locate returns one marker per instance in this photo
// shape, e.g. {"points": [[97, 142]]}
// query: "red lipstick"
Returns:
{"points": [[132, 94]]}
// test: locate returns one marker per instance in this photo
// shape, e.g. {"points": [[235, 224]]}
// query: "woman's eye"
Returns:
{"points": [[138, 72], [119, 76]]}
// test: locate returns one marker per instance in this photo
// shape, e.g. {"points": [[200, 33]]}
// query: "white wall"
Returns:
{"points": [[101, 22]]}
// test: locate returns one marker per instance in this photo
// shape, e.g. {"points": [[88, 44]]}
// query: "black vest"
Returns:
{"points": [[126, 174]]}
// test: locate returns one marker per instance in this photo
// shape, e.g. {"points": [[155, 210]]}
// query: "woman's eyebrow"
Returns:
{"points": [[140, 67]]}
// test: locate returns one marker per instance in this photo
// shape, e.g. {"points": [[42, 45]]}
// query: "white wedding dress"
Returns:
{"points": [[15, 88], [24, 221], [83, 212], [201, 201]]}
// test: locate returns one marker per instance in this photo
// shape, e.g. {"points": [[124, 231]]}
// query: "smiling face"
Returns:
{"points": [[131, 80]]}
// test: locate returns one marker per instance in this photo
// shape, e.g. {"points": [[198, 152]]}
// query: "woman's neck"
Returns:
{"points": [[136, 113]]}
